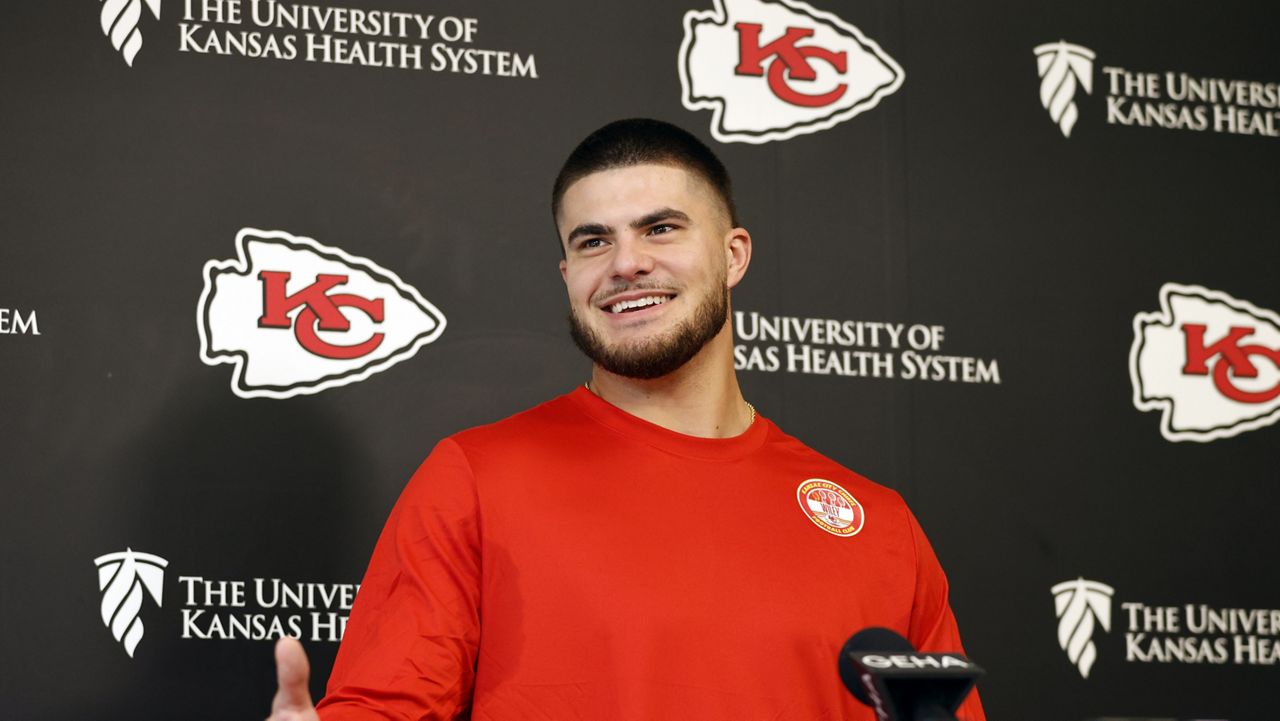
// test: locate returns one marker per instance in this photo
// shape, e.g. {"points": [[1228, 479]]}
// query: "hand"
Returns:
{"points": [[293, 698]]}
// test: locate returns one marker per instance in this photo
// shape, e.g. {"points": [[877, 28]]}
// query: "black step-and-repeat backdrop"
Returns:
{"points": [[1016, 260]]}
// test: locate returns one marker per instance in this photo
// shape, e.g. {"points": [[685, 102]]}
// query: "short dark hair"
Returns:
{"points": [[638, 141]]}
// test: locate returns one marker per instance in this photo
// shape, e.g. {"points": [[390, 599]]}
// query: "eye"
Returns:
{"points": [[661, 229], [589, 243]]}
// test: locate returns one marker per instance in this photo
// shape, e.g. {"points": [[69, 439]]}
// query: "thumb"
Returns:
{"points": [[292, 673]]}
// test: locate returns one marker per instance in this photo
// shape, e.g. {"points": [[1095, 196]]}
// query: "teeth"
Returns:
{"points": [[638, 303]]}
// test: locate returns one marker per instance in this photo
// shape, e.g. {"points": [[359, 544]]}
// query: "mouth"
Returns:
{"points": [[622, 305]]}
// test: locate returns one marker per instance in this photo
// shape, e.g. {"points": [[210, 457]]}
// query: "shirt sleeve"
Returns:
{"points": [[409, 649], [933, 625]]}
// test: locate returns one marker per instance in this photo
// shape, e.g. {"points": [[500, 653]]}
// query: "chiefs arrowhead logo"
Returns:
{"points": [[296, 317], [774, 69], [1210, 362]]}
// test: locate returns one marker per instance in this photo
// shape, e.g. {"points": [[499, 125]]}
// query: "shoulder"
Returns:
{"points": [[815, 466], [532, 428], [518, 441]]}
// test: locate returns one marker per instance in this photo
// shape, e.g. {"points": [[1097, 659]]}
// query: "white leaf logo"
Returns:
{"points": [[121, 577], [1078, 604], [1062, 67], [120, 23]]}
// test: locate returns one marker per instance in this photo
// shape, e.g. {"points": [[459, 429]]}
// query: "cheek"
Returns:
{"points": [[711, 269], [579, 287]]}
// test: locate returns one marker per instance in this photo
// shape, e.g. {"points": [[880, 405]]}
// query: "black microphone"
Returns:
{"points": [[884, 671]]}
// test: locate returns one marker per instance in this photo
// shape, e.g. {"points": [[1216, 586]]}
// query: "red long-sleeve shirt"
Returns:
{"points": [[574, 562]]}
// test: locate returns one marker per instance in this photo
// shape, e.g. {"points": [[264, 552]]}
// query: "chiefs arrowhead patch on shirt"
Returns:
{"points": [[830, 507]]}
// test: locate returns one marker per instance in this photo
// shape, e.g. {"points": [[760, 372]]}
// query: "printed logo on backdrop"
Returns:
{"points": [[297, 317], [1210, 363], [1170, 99], [775, 69], [13, 321], [1189, 633], [1063, 68], [853, 349], [120, 24], [368, 37], [258, 609], [122, 578], [1081, 606]]}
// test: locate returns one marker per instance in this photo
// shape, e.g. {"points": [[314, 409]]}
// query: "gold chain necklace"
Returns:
{"points": [[750, 407]]}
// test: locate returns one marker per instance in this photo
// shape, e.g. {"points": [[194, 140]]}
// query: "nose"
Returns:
{"points": [[631, 258]]}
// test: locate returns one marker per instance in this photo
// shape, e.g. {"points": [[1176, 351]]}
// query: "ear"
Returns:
{"points": [[564, 270], [737, 255]]}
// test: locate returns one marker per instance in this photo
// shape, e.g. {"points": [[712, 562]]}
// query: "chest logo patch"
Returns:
{"points": [[830, 507]]}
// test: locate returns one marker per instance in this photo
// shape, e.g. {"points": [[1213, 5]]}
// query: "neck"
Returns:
{"points": [[701, 398]]}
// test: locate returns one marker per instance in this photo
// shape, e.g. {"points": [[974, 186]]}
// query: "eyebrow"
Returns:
{"points": [[645, 220], [588, 229], [658, 216]]}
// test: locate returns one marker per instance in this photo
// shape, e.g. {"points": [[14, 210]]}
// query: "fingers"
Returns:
{"points": [[292, 674]]}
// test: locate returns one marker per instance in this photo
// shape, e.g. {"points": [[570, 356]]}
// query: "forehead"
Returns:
{"points": [[621, 194]]}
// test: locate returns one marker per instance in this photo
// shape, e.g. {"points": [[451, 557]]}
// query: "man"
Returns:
{"points": [[647, 546]]}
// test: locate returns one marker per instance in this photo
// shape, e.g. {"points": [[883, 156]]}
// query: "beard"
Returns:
{"points": [[655, 357]]}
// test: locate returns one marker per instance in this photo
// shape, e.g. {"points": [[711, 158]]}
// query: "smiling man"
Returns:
{"points": [[646, 546]]}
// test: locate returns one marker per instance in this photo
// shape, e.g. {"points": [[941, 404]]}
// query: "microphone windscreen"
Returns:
{"points": [[876, 639]]}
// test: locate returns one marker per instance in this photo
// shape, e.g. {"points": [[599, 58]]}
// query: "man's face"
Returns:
{"points": [[648, 264]]}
